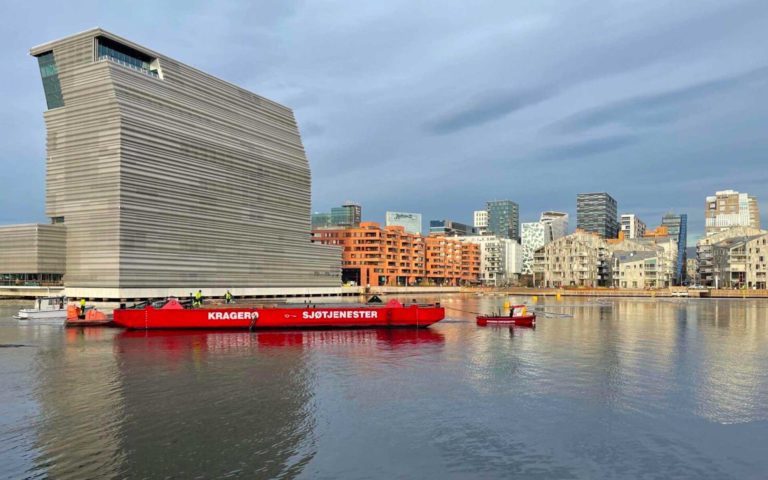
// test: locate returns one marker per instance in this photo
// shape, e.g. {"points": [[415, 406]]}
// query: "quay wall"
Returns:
{"points": [[622, 292]]}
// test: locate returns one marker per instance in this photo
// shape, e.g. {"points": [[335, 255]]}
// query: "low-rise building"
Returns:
{"points": [[704, 250], [730, 262], [580, 259], [757, 262], [638, 269], [32, 254]]}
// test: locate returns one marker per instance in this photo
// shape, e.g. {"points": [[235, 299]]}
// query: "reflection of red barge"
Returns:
{"points": [[175, 316], [518, 316]]}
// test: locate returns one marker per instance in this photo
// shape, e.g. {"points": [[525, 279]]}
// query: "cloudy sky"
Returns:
{"points": [[438, 106]]}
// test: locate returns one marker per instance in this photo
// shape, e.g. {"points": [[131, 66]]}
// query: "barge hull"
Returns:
{"points": [[275, 318]]}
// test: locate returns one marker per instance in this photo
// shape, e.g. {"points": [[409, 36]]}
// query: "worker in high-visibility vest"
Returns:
{"points": [[228, 297], [82, 309], [199, 298]]}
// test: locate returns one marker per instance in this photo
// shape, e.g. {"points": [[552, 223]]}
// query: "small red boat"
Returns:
{"points": [[174, 316], [518, 316]]}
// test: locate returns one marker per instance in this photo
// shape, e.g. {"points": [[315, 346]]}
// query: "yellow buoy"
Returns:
{"points": [[558, 297], [506, 305], [535, 299]]}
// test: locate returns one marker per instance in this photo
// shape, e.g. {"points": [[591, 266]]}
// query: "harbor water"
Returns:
{"points": [[601, 388]]}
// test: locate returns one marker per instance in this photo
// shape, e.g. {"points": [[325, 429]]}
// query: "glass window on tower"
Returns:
{"points": [[50, 76], [124, 55]]}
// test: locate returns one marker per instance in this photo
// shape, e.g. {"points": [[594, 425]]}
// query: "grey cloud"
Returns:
{"points": [[486, 108], [657, 109], [588, 148]]}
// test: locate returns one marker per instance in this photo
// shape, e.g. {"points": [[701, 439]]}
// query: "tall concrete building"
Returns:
{"points": [[168, 179], [504, 219], [410, 221], [730, 208], [632, 226], [596, 212]]}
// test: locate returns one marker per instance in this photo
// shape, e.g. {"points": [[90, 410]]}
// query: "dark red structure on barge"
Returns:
{"points": [[174, 316]]}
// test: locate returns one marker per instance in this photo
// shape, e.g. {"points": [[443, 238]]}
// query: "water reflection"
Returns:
{"points": [[601, 388]]}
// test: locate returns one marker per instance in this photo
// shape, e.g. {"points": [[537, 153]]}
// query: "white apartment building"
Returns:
{"points": [[501, 259], [632, 226], [480, 221]]}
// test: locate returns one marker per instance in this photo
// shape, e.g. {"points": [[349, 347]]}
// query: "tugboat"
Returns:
{"points": [[518, 316], [173, 315]]}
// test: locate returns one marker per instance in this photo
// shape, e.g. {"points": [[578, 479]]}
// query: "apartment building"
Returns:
{"points": [[638, 270], [757, 262], [632, 226], [372, 255], [729, 208], [704, 251], [500, 259], [580, 259]]}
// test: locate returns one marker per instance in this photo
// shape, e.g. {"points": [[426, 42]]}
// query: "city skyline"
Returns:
{"points": [[658, 136]]}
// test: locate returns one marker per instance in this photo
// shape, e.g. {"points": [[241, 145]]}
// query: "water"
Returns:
{"points": [[625, 388]]}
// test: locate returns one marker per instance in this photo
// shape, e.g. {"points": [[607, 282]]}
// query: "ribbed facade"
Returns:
{"points": [[32, 248], [172, 178]]}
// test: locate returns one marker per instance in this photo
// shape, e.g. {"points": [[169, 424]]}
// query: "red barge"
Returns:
{"points": [[174, 316]]}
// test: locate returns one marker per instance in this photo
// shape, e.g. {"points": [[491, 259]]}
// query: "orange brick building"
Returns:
{"points": [[390, 256]]}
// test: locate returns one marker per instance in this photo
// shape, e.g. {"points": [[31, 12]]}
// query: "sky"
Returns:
{"points": [[436, 107]]}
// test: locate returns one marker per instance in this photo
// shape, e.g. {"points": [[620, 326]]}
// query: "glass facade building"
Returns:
{"points": [[504, 219], [449, 228], [677, 226], [51, 85], [597, 213], [346, 216], [410, 221]]}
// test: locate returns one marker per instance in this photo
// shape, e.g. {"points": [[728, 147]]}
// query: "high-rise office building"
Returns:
{"points": [[349, 214], [596, 212], [677, 226], [410, 221], [504, 219], [449, 228], [729, 208], [632, 226], [168, 179]]}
